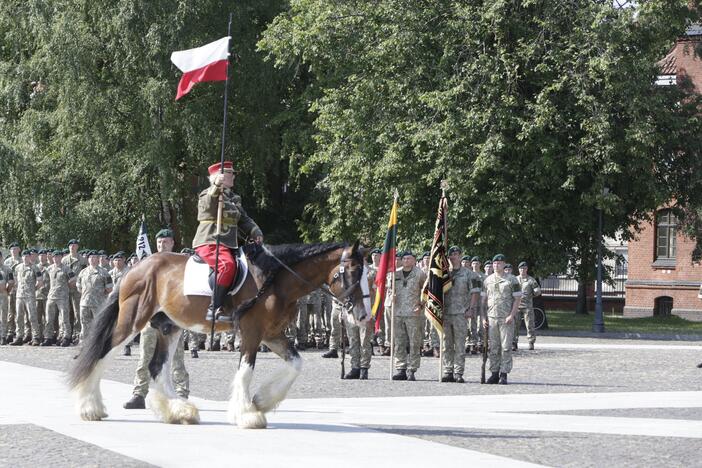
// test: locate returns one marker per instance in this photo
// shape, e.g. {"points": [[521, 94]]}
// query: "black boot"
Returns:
{"points": [[364, 374], [459, 378], [332, 353], [448, 377], [400, 375], [410, 375], [494, 378], [127, 351], [193, 354], [65, 342], [503, 378], [17, 342], [136, 402], [219, 294], [353, 374]]}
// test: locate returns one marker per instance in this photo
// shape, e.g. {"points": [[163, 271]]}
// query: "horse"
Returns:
{"points": [[151, 294]]}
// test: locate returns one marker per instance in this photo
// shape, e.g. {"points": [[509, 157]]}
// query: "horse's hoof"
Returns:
{"points": [[252, 420], [183, 412], [93, 414]]}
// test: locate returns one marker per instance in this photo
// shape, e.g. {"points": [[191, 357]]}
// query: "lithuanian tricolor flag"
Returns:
{"points": [[387, 265]]}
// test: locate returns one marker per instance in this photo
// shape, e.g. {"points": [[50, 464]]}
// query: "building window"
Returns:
{"points": [[663, 306], [666, 224]]}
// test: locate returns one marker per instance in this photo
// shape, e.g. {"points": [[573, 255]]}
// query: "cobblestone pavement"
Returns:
{"points": [[558, 365]]}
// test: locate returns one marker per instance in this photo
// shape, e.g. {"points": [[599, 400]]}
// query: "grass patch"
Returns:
{"points": [[569, 321]]}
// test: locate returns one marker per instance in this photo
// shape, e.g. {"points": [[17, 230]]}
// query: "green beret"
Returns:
{"points": [[489, 262], [475, 259], [425, 254], [498, 258], [119, 254], [508, 265], [164, 233], [64, 251], [454, 248], [102, 253], [523, 265], [33, 250], [26, 252], [41, 251], [58, 252], [73, 241], [465, 258], [376, 251], [408, 253], [13, 245]]}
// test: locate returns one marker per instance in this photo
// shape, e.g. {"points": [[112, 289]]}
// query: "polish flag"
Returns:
{"points": [[206, 63]]}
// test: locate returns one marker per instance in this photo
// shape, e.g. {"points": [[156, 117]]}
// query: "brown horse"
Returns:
{"points": [[151, 294]]}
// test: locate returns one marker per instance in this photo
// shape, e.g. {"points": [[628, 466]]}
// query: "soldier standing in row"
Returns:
{"points": [[460, 304], [76, 263], [474, 339], [42, 265], [7, 280], [147, 347], [530, 289], [501, 297], [408, 318], [28, 279], [60, 279], [94, 284], [12, 261]]}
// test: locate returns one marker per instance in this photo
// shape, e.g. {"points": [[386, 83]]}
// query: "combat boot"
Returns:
{"points": [[17, 342], [386, 351], [401, 374], [410, 375], [65, 342], [136, 402], [48, 342], [193, 354], [27, 339], [448, 377], [364, 374], [515, 347], [503, 378], [494, 378], [531, 346], [353, 374], [127, 351], [3, 341], [459, 378], [332, 353], [473, 349]]}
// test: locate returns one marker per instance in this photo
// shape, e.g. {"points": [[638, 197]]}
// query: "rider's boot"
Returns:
{"points": [[219, 294]]}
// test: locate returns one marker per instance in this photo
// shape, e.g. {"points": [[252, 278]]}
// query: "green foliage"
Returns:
{"points": [[527, 108]]}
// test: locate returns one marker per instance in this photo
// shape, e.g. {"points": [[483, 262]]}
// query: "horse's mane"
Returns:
{"points": [[289, 254]]}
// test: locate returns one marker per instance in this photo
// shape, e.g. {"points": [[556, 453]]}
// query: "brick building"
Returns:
{"points": [[662, 280]]}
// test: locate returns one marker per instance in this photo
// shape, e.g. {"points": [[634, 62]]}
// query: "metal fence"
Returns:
{"points": [[563, 286]]}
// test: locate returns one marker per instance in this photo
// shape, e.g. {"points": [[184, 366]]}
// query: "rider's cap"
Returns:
{"points": [[164, 233], [215, 168], [498, 258], [454, 248], [523, 265], [73, 241]]}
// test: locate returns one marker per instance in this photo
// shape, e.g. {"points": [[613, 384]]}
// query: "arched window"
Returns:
{"points": [[666, 227]]}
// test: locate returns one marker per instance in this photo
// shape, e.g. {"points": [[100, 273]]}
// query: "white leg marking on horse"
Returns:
{"points": [[274, 391], [88, 396], [166, 404], [242, 411]]}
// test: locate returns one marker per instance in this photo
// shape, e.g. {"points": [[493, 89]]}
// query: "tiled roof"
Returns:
{"points": [[668, 65]]}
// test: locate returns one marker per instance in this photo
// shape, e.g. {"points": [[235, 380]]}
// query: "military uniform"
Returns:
{"points": [[58, 277], [27, 277], [11, 263], [408, 320], [76, 264], [6, 277], [147, 348], [500, 292], [41, 300], [361, 337], [457, 302], [93, 284], [530, 289]]}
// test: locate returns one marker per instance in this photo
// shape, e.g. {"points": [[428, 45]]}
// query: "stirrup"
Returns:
{"points": [[219, 316]]}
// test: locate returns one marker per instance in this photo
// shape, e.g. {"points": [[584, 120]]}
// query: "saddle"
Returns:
{"points": [[197, 273]]}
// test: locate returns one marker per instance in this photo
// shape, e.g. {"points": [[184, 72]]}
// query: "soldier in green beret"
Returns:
{"points": [[94, 284], [60, 278], [12, 261], [76, 262], [530, 289], [7, 280], [28, 279]]}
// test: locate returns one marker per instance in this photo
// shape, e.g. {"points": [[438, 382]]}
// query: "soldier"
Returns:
{"points": [[76, 263], [104, 262], [465, 261], [530, 289], [7, 280], [60, 278], [298, 328], [234, 219], [118, 270], [408, 319], [508, 269], [28, 279], [42, 265], [195, 340], [379, 338], [94, 284], [474, 339], [12, 261], [147, 347], [501, 297], [334, 331], [360, 337], [460, 304]]}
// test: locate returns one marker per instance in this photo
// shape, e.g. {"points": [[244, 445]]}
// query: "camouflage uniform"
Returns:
{"points": [[408, 320], [501, 292], [361, 336], [57, 278], [147, 348], [41, 300], [26, 279], [334, 326], [457, 301], [12, 263], [76, 264], [92, 284], [474, 336], [530, 289], [6, 277]]}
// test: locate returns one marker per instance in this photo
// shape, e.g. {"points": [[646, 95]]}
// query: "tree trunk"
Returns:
{"points": [[581, 304]]}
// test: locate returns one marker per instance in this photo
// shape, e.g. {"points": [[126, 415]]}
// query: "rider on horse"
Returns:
{"points": [[233, 218]]}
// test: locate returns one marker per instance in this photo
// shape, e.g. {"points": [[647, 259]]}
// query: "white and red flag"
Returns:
{"points": [[206, 63]]}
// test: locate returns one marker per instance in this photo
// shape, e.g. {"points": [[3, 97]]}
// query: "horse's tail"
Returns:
{"points": [[98, 342]]}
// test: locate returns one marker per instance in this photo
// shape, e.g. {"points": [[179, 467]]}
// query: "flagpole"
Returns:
{"points": [[220, 205], [392, 296], [444, 185]]}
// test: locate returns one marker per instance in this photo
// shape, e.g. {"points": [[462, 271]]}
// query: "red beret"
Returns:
{"points": [[215, 168]]}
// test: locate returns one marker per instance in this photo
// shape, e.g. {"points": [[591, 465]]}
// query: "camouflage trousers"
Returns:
{"points": [[500, 347], [57, 309], [41, 319], [11, 314], [194, 339], [26, 307], [74, 301], [360, 344], [528, 314], [408, 333], [4, 311], [298, 327], [335, 328], [87, 314], [386, 327], [453, 351], [315, 322], [432, 335], [474, 330], [147, 348]]}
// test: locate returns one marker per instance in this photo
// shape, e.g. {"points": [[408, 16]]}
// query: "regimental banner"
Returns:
{"points": [[387, 265], [438, 277], [143, 249]]}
